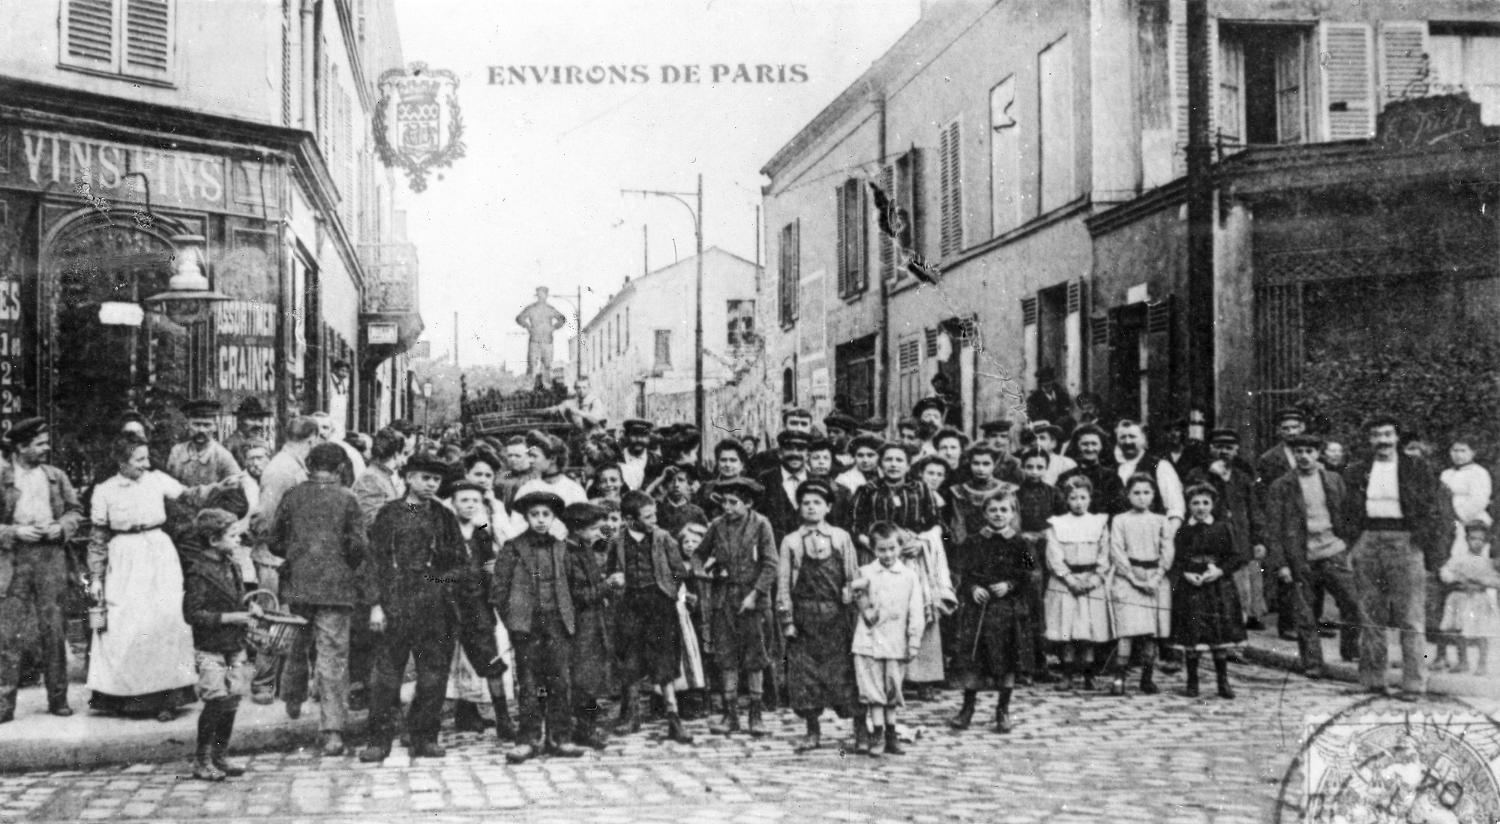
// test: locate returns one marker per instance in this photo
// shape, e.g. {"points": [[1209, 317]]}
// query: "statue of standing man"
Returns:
{"points": [[541, 321]]}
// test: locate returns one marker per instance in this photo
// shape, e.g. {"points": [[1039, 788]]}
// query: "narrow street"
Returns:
{"points": [[1072, 758]]}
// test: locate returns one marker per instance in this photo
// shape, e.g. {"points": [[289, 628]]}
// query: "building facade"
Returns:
{"points": [[638, 349], [1039, 151], [136, 132]]}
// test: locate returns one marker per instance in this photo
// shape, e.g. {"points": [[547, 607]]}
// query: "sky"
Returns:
{"points": [[536, 200]]}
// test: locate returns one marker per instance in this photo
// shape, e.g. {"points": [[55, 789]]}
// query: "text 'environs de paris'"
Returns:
{"points": [[638, 73]]}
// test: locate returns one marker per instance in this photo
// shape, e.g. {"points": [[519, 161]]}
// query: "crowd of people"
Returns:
{"points": [[837, 571]]}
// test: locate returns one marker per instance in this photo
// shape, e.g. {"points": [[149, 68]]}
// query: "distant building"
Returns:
{"points": [[640, 345]]}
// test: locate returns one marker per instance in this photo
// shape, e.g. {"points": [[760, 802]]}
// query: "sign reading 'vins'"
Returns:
{"points": [[417, 123]]}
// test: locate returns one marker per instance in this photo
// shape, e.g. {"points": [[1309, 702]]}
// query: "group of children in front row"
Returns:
{"points": [[575, 607]]}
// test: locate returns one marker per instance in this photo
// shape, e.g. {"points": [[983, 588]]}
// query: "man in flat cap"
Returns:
{"points": [[1304, 528], [39, 512], [251, 421], [779, 503], [201, 460], [638, 466], [1272, 464], [1396, 526]]}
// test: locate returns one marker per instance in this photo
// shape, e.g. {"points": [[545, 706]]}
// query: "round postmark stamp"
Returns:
{"points": [[1380, 762]]}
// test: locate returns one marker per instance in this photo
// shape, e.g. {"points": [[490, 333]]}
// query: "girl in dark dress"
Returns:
{"points": [[995, 639], [1205, 606]]}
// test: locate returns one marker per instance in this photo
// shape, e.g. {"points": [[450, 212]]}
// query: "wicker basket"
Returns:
{"points": [[273, 632]]}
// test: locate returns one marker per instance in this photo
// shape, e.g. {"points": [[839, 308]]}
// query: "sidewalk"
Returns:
{"points": [[1269, 649]]}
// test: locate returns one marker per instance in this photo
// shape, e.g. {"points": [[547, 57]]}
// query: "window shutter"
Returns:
{"points": [[1177, 51], [1347, 85], [909, 354], [1403, 60], [1099, 330], [89, 33], [950, 183], [148, 38], [796, 267], [286, 62], [841, 241], [887, 244], [914, 199], [861, 236], [1028, 311], [930, 336], [1160, 356]]}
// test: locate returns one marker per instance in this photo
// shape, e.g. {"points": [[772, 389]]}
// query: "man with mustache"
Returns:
{"points": [[1131, 457], [201, 460]]}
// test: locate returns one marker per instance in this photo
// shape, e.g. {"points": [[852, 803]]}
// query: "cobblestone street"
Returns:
{"points": [[1071, 758]]}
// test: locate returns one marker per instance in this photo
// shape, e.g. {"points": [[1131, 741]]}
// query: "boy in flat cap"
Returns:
{"points": [[592, 651], [415, 545], [647, 564], [816, 567], [39, 513], [533, 596], [740, 553]]}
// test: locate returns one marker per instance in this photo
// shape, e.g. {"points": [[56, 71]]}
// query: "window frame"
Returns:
{"points": [[119, 66]]}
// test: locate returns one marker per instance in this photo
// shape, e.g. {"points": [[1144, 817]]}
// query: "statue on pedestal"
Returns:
{"points": [[541, 321]]}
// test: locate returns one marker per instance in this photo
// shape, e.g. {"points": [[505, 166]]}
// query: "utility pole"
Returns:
{"points": [[455, 339], [1200, 213]]}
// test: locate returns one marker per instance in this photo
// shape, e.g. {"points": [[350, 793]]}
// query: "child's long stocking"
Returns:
{"points": [[1221, 670]]}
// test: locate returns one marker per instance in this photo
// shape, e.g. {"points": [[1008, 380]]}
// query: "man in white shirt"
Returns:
{"points": [[583, 406], [1131, 458], [1396, 520]]}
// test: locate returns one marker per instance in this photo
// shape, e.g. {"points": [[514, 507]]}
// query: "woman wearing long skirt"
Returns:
{"points": [[142, 661]]}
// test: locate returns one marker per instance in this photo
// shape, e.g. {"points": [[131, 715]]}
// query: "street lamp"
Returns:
{"points": [[427, 408], [697, 214], [188, 292]]}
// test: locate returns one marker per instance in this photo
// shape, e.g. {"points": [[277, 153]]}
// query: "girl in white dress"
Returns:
{"points": [[1077, 606], [1140, 553]]}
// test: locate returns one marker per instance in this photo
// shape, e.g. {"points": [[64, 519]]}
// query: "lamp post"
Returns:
{"points": [[697, 214], [188, 293]]}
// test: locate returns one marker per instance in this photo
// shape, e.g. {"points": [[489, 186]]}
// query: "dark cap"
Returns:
{"points": [[1382, 419], [1002, 425], [1304, 439], [795, 412], [1224, 436], [1050, 428], [791, 439], [24, 431], [929, 403], [744, 488], [949, 432], [1090, 429], [551, 500], [815, 486], [425, 462], [636, 426], [820, 445], [580, 515], [841, 422], [201, 408], [876, 424], [1289, 413], [251, 408]]}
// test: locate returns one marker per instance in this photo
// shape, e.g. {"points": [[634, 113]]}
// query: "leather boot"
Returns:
{"points": [[1148, 684], [892, 744], [586, 732], [861, 734], [221, 744], [756, 728], [505, 729], [630, 714], [562, 747], [813, 739], [427, 749], [208, 732], [966, 713], [675, 732], [730, 722], [203, 765], [1221, 670], [1002, 712], [466, 717], [1192, 677]]}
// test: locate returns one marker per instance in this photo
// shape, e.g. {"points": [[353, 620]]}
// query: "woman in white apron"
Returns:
{"points": [[142, 661]]}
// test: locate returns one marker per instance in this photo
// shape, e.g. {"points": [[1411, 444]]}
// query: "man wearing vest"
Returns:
{"points": [[1131, 458], [1304, 529], [1396, 524]]}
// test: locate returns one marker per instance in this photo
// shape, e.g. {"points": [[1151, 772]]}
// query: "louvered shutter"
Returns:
{"points": [[861, 227], [1403, 60], [1177, 51], [1160, 357], [89, 33], [887, 244], [914, 194], [950, 184], [286, 62], [841, 240], [1348, 89], [148, 38], [930, 336]]}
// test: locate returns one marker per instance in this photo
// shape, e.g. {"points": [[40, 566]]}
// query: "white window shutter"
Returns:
{"points": [[1348, 82], [887, 244], [1403, 60], [1177, 64], [90, 33], [148, 39]]}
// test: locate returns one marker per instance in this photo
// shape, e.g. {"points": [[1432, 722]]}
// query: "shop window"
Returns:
{"points": [[854, 377], [1466, 59], [1262, 84], [131, 38]]}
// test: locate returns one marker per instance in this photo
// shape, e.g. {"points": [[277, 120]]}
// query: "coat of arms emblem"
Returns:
{"points": [[417, 122]]}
